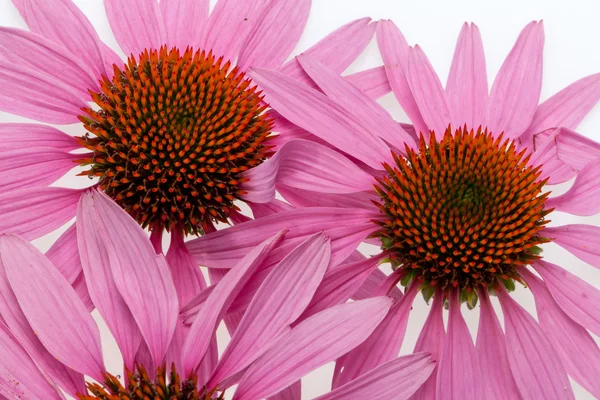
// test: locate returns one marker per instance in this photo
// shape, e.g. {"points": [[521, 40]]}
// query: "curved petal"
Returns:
{"points": [[187, 276], [581, 198], [64, 255], [517, 87], [17, 136], [184, 22], [583, 241], [304, 198], [372, 82], [292, 392], [372, 283]]}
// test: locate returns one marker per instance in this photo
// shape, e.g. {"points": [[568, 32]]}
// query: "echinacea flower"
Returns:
{"points": [[49, 341], [459, 203]]}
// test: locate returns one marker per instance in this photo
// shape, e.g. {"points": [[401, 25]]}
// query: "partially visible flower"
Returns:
{"points": [[459, 203]]}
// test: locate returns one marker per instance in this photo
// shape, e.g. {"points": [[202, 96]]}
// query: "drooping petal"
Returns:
{"points": [[184, 22], [537, 369], [397, 379], [372, 283], [317, 340], [583, 241], [32, 213], [467, 86], [82, 291], [305, 198], [372, 82], [516, 89], [187, 276], [315, 112], [580, 199], [52, 307], [64, 255], [305, 165], [281, 299], [17, 136], [270, 208]]}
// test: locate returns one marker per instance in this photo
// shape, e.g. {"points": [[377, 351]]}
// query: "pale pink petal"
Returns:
{"points": [[396, 379], [219, 301], [33, 167], [17, 136], [576, 347], [281, 299], [583, 241], [138, 25], [186, 273], [32, 213], [304, 165], [516, 89], [45, 56], [337, 50], [428, 92], [31, 94], [313, 111], [491, 351], [292, 392], [536, 367], [141, 276], [316, 341], [394, 50], [184, 22], [577, 298], [372, 82], [373, 118], [459, 374], [229, 24], [52, 307], [581, 198], [81, 288], [64, 255], [467, 86], [276, 34]]}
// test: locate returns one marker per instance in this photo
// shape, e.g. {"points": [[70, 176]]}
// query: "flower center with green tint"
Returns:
{"points": [[139, 386], [171, 135], [463, 212]]}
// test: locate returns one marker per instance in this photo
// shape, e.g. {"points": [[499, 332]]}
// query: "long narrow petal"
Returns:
{"points": [[281, 299], [313, 111], [292, 392], [52, 307], [187, 275], [398, 379], [516, 89], [583, 241], [467, 86], [304, 198], [459, 360], [577, 298], [394, 50], [374, 118], [580, 199], [372, 82], [317, 340], [137, 24], [576, 347], [64, 255], [15, 136], [305, 165], [537, 369], [32, 213], [219, 300], [372, 282], [184, 22], [82, 291]]}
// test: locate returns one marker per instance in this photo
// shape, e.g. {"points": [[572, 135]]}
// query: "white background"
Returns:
{"points": [[572, 51]]}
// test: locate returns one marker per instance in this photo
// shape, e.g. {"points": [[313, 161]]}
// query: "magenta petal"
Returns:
{"points": [[314, 342], [372, 283], [64, 255], [372, 82], [186, 273], [516, 90], [184, 22], [292, 392], [583, 241], [18, 136], [467, 86], [304, 198], [52, 307], [82, 291], [537, 369], [581, 198]]}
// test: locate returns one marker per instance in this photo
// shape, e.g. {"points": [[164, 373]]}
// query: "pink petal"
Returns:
{"points": [[270, 208], [138, 25], [576, 347], [292, 392], [374, 118], [577, 298], [583, 241], [32, 213], [394, 50], [428, 92], [314, 342], [33, 167], [305, 198], [64, 255], [31, 94], [396, 379], [219, 301], [305, 165], [184, 21], [141, 276], [52, 307], [337, 50], [493, 358], [537, 369], [467, 87], [18, 136], [372, 82], [516, 90], [281, 299], [186, 273], [82, 291], [459, 374], [372, 282], [311, 110], [273, 38], [580, 199]]}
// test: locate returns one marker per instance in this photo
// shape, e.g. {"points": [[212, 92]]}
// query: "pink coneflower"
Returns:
{"points": [[458, 203], [49, 341]]}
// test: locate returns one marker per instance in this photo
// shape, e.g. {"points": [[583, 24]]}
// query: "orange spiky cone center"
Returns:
{"points": [[172, 135], [464, 212]]}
